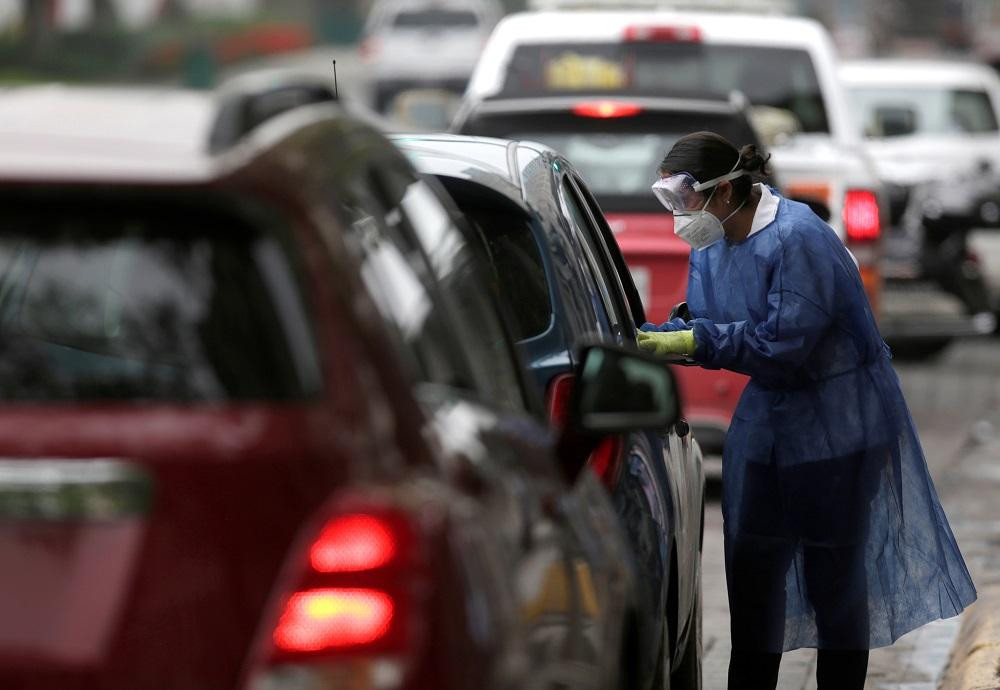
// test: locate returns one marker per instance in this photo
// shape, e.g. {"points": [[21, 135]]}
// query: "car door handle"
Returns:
{"points": [[63, 490]]}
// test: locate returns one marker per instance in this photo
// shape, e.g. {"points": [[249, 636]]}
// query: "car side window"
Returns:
{"points": [[586, 231], [625, 292], [399, 281], [460, 272], [466, 327]]}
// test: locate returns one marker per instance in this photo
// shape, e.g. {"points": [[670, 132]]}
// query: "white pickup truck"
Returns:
{"points": [[786, 67], [932, 130]]}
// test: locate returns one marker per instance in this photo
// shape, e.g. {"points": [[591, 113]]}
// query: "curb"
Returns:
{"points": [[975, 659]]}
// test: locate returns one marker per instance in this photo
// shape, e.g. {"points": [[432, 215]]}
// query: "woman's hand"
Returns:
{"points": [[669, 343]]}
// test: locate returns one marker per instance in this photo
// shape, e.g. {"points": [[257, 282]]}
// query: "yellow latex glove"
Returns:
{"points": [[666, 343]]}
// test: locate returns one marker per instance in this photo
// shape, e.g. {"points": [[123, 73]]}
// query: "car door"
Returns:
{"points": [[681, 452], [612, 309], [563, 602]]}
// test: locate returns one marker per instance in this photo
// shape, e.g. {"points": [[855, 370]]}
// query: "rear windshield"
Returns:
{"points": [[152, 302], [781, 78], [887, 112], [617, 158], [435, 19]]}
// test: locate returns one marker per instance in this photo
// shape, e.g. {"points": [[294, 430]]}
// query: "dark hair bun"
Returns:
{"points": [[752, 161]]}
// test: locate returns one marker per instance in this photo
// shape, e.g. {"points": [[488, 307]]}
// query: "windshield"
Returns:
{"points": [[777, 77], [886, 112], [148, 303], [619, 158]]}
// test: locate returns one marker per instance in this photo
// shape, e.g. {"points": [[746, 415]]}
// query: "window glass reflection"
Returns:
{"points": [[150, 307]]}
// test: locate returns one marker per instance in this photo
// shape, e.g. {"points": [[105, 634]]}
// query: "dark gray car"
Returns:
{"points": [[558, 271]]}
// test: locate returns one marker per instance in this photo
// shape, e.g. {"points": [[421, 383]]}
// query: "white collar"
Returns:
{"points": [[767, 209]]}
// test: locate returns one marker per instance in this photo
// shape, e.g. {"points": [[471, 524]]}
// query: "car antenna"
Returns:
{"points": [[336, 90]]}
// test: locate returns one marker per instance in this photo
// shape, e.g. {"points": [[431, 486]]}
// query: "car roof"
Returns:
{"points": [[58, 133], [914, 72], [578, 26], [542, 104], [68, 132], [495, 163]]}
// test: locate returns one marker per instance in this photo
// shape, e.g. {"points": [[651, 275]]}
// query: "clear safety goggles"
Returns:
{"points": [[680, 192]]}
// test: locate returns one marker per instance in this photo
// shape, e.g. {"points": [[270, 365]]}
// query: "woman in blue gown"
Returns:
{"points": [[834, 535]]}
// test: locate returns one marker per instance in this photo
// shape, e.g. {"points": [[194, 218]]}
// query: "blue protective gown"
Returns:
{"points": [[834, 535]]}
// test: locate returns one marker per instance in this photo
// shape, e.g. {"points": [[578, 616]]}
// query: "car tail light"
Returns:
{"points": [[353, 543], [666, 34], [861, 216], [606, 460], [357, 598], [557, 399], [606, 109], [333, 618], [862, 227]]}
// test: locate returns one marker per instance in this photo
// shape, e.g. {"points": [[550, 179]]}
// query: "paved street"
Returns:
{"points": [[954, 401]]}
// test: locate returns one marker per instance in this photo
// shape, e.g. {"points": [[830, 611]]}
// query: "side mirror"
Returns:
{"points": [[620, 390], [680, 311], [616, 390]]}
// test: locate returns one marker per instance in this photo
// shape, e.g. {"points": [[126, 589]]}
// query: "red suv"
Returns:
{"points": [[262, 428]]}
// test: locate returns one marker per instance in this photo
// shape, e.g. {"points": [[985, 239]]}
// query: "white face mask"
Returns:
{"points": [[702, 229]]}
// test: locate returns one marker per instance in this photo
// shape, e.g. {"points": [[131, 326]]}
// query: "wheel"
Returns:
{"points": [[687, 676]]}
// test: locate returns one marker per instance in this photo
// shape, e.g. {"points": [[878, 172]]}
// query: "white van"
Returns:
{"points": [[786, 67]]}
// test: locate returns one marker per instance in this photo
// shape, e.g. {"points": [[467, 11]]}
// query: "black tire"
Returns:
{"points": [[687, 676]]}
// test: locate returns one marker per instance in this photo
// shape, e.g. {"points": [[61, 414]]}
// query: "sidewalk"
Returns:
{"points": [[972, 499]]}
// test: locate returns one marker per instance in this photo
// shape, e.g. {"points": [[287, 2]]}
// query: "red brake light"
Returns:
{"points": [[606, 459], [358, 589], [557, 399], [668, 34], [335, 618], [606, 109], [861, 216], [352, 543]]}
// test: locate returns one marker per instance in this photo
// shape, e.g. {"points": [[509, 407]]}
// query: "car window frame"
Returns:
{"points": [[596, 253], [632, 302]]}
